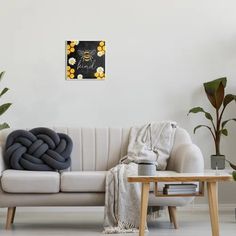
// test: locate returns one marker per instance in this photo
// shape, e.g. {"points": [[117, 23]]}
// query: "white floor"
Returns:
{"points": [[89, 222]]}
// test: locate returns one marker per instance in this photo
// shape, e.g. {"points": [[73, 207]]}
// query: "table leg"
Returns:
{"points": [[213, 207], [144, 205]]}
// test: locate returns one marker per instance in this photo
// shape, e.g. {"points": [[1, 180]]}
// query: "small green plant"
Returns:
{"points": [[215, 91], [4, 107]]}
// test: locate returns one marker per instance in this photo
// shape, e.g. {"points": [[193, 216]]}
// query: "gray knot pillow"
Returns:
{"points": [[39, 149]]}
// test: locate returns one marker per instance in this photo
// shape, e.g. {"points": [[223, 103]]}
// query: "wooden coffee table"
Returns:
{"points": [[210, 178]]}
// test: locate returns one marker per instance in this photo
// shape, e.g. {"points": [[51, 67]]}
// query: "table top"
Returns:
{"points": [[211, 176]]}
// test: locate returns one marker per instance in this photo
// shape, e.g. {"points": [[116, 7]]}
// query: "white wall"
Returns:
{"points": [[159, 52]]}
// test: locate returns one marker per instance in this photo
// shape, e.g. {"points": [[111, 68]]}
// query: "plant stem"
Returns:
{"points": [[217, 133], [221, 114], [217, 144]]}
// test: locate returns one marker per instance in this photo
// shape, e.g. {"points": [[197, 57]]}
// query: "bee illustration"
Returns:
{"points": [[87, 60], [87, 55]]}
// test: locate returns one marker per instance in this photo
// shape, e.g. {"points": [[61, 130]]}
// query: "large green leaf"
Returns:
{"points": [[4, 91], [226, 121], [4, 107], [232, 165], [215, 91], [1, 74], [229, 98], [200, 109], [4, 126], [199, 126]]}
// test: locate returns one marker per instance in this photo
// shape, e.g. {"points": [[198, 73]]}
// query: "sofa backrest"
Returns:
{"points": [[99, 149]]}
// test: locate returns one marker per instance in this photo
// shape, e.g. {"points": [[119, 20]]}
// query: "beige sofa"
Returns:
{"points": [[95, 151]]}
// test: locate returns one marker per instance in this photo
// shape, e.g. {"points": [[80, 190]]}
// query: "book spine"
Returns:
{"points": [[180, 186], [178, 191]]}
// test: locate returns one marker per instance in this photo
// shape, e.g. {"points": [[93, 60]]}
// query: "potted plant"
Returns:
{"points": [[215, 91], [4, 106]]}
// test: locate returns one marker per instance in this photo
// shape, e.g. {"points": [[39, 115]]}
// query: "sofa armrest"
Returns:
{"points": [[186, 158], [2, 163]]}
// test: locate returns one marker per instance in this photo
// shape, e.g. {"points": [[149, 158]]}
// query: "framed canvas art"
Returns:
{"points": [[85, 60]]}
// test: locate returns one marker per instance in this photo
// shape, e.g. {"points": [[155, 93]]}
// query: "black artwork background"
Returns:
{"points": [[88, 68]]}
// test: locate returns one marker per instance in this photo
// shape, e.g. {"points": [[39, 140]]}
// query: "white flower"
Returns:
{"points": [[72, 61], [100, 70], [100, 53], [79, 76], [76, 42]]}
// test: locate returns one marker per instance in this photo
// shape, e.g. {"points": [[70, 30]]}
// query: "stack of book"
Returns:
{"points": [[175, 189]]}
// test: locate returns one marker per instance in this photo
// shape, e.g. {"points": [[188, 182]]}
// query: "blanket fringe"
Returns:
{"points": [[121, 228], [154, 215], [125, 227], [154, 212]]}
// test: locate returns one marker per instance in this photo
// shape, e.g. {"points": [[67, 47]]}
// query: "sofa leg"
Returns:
{"points": [[10, 217], [169, 211], [13, 216], [172, 215]]}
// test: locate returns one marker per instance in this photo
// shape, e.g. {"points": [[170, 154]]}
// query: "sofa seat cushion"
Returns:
{"points": [[21, 181], [93, 181], [83, 181]]}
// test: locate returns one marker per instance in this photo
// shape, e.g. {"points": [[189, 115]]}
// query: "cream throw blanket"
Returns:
{"points": [[122, 201]]}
